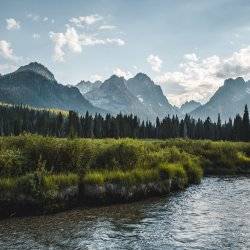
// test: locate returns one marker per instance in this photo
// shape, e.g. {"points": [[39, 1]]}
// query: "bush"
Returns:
{"points": [[176, 173], [11, 162], [194, 172], [121, 155], [7, 184], [22, 155]]}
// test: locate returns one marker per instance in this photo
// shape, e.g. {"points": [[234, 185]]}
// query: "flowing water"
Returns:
{"points": [[213, 215]]}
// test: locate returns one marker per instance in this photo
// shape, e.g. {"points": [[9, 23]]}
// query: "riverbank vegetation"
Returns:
{"points": [[52, 173]]}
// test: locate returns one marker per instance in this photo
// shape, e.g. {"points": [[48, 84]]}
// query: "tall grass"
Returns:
{"points": [[122, 160], [134, 176]]}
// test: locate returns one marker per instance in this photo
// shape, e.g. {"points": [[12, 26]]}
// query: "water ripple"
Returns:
{"points": [[213, 215]]}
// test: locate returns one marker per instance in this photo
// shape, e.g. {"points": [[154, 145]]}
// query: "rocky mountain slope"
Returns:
{"points": [[114, 96], [88, 86], [150, 95], [35, 85], [189, 106], [227, 101]]}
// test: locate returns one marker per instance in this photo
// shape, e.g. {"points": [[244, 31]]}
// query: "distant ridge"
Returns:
{"points": [[35, 85], [138, 95], [88, 86], [189, 106], [114, 96], [227, 101], [39, 69]]}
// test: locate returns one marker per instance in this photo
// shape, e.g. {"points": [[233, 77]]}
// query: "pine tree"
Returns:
{"points": [[246, 125], [218, 128]]}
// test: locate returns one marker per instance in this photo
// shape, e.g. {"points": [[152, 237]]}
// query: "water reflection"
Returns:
{"points": [[213, 215]]}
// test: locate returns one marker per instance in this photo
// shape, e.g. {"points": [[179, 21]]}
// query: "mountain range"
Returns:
{"points": [[189, 106], [138, 95], [88, 86], [227, 101], [35, 85]]}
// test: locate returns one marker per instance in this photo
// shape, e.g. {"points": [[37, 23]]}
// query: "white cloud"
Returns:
{"points": [[36, 36], [6, 51], [155, 62], [81, 21], [74, 42], [45, 19], [91, 40], [59, 40], [199, 79], [191, 57], [107, 27], [12, 24], [123, 73], [96, 77], [69, 38], [236, 65]]}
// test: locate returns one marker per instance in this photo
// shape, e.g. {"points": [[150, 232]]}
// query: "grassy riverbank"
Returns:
{"points": [[49, 174]]}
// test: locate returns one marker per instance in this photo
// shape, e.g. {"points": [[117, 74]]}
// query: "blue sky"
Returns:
{"points": [[188, 46]]}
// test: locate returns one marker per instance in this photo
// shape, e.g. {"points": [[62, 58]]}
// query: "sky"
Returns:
{"points": [[187, 46]]}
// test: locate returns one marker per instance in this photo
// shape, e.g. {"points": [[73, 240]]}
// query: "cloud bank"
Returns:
{"points": [[74, 41], [199, 78]]}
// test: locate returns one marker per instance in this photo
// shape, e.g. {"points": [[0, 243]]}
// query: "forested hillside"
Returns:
{"points": [[18, 119]]}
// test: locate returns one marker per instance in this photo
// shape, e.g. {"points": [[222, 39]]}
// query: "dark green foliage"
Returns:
{"points": [[15, 120], [122, 155]]}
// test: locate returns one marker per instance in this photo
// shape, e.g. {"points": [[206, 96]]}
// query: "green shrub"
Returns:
{"points": [[243, 158], [24, 154], [121, 155], [194, 171], [176, 173], [7, 184], [11, 162], [172, 170]]}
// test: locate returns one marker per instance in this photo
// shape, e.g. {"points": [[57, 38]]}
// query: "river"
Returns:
{"points": [[212, 215]]}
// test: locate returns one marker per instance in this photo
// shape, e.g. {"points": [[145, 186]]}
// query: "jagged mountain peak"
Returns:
{"points": [[114, 82], [189, 106], [142, 76], [232, 82], [150, 95], [190, 103], [35, 85], [39, 69], [88, 82], [87, 86], [116, 77], [227, 101]]}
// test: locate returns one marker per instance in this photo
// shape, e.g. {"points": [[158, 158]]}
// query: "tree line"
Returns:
{"points": [[18, 119]]}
